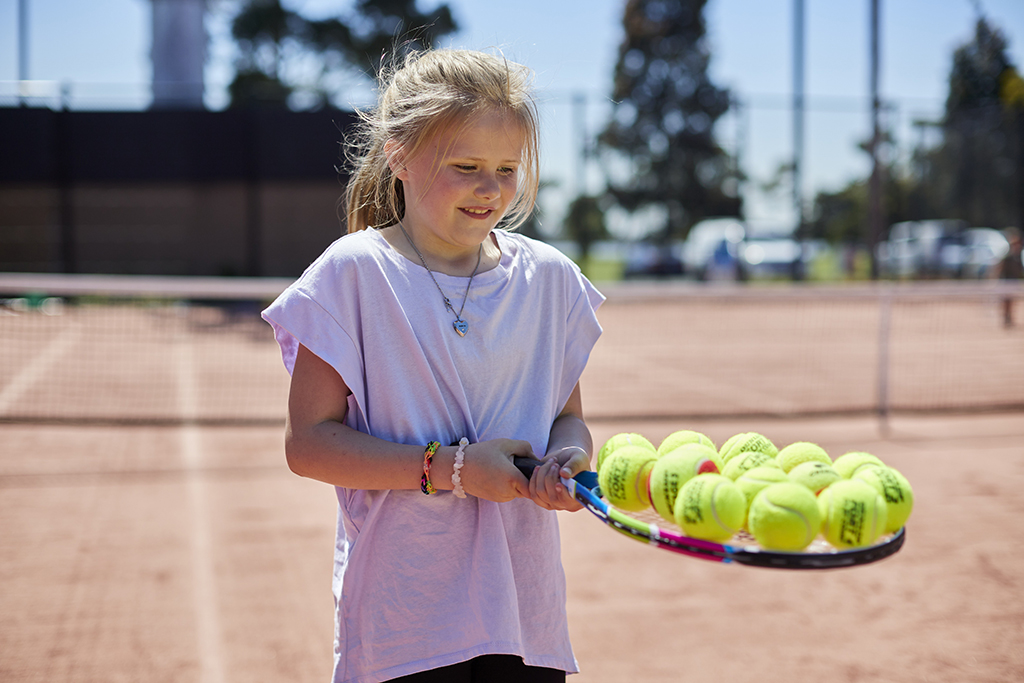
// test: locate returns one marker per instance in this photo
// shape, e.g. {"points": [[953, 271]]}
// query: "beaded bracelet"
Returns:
{"points": [[456, 475], [428, 456]]}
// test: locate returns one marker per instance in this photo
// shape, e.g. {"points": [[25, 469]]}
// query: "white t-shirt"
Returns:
{"points": [[421, 581]]}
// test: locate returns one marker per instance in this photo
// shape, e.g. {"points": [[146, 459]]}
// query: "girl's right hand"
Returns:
{"points": [[488, 471]]}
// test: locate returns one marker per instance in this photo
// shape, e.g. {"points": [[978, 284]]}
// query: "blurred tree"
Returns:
{"points": [[980, 159], [664, 116], [271, 38], [585, 224]]}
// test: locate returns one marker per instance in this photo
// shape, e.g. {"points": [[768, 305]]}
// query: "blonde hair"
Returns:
{"points": [[428, 92]]}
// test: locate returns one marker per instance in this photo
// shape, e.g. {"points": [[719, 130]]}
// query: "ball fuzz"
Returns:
{"points": [[683, 437], [853, 462], [672, 471], [710, 507], [894, 487], [752, 482], [800, 452], [623, 439], [853, 514], [744, 462], [746, 442], [815, 475], [784, 517], [623, 477]]}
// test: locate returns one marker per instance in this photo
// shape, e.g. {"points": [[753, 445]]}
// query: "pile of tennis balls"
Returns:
{"points": [[785, 498]]}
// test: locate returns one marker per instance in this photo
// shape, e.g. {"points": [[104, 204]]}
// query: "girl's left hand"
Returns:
{"points": [[546, 487]]}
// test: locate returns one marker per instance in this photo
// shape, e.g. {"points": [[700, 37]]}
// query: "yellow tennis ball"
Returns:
{"points": [[800, 452], [623, 439], [853, 514], [752, 482], [815, 475], [894, 487], [744, 443], [711, 507], [672, 471], [682, 437], [850, 463], [743, 462], [623, 477], [784, 517]]}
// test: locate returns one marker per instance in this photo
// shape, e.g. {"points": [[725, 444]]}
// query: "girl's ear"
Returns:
{"points": [[395, 154]]}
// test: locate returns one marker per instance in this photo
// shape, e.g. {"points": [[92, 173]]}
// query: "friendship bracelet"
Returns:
{"points": [[456, 476], [428, 457]]}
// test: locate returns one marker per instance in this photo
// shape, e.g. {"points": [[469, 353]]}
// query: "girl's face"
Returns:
{"points": [[461, 184]]}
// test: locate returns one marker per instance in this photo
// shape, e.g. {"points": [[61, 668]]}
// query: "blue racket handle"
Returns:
{"points": [[586, 478]]}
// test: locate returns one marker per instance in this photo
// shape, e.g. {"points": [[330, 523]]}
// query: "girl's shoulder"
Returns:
{"points": [[528, 248]]}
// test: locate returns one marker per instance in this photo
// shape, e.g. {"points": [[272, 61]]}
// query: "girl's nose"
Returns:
{"points": [[488, 187]]}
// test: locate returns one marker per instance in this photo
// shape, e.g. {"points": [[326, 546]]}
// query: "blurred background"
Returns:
{"points": [[721, 139]]}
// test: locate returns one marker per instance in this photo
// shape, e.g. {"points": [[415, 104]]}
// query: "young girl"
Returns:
{"points": [[428, 347]]}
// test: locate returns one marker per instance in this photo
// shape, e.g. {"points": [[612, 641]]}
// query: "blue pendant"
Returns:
{"points": [[461, 326]]}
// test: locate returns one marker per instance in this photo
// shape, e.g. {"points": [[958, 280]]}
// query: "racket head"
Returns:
{"points": [[648, 527]]}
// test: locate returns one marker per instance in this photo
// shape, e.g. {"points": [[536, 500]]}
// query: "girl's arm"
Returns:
{"points": [[569, 449], [319, 445]]}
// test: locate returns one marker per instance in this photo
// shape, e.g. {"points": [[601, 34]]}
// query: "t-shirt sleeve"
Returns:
{"points": [[583, 330], [299, 317]]}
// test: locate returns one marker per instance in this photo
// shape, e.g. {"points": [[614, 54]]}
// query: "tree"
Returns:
{"points": [[980, 160], [585, 224], [271, 38], [664, 116]]}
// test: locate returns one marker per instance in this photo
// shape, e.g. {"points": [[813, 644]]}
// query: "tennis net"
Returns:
{"points": [[173, 350]]}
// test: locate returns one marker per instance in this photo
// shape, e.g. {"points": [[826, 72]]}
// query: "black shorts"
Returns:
{"points": [[487, 669]]}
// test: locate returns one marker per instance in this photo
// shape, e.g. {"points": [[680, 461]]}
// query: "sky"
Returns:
{"points": [[101, 49]]}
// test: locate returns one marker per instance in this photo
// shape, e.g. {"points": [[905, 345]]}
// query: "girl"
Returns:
{"points": [[428, 325]]}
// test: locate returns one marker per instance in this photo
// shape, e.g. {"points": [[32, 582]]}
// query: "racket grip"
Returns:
{"points": [[528, 465]]}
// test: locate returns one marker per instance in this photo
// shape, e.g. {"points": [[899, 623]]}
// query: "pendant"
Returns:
{"points": [[461, 326]]}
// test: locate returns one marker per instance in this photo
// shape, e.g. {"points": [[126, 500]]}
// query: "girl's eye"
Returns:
{"points": [[465, 167], [506, 170]]}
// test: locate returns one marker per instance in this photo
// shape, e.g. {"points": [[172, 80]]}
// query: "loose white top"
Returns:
{"points": [[427, 581]]}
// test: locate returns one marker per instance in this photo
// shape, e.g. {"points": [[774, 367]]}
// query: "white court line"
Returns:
{"points": [[38, 366], [207, 608]]}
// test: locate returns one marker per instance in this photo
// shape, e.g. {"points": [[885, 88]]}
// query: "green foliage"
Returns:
{"points": [[270, 36], [585, 224], [980, 162], [976, 173], [664, 115]]}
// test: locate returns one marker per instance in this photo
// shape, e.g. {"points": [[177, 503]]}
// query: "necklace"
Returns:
{"points": [[460, 325]]}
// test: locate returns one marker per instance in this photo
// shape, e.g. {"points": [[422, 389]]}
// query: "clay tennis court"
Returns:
{"points": [[163, 548]]}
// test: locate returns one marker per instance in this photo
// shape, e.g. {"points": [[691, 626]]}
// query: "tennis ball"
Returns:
{"points": [[850, 463], [623, 439], [894, 487], [814, 475], [744, 443], [623, 477], [673, 470], [684, 436], [800, 452], [710, 507], [853, 514], [752, 482], [742, 462], [784, 517]]}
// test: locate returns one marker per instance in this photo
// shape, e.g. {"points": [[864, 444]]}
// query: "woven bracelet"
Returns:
{"points": [[428, 457]]}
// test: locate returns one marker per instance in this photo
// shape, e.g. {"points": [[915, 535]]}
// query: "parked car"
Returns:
{"points": [[974, 253], [649, 260], [917, 248], [711, 250], [770, 257]]}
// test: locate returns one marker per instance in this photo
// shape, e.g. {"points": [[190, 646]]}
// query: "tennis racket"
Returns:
{"points": [[648, 527]]}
